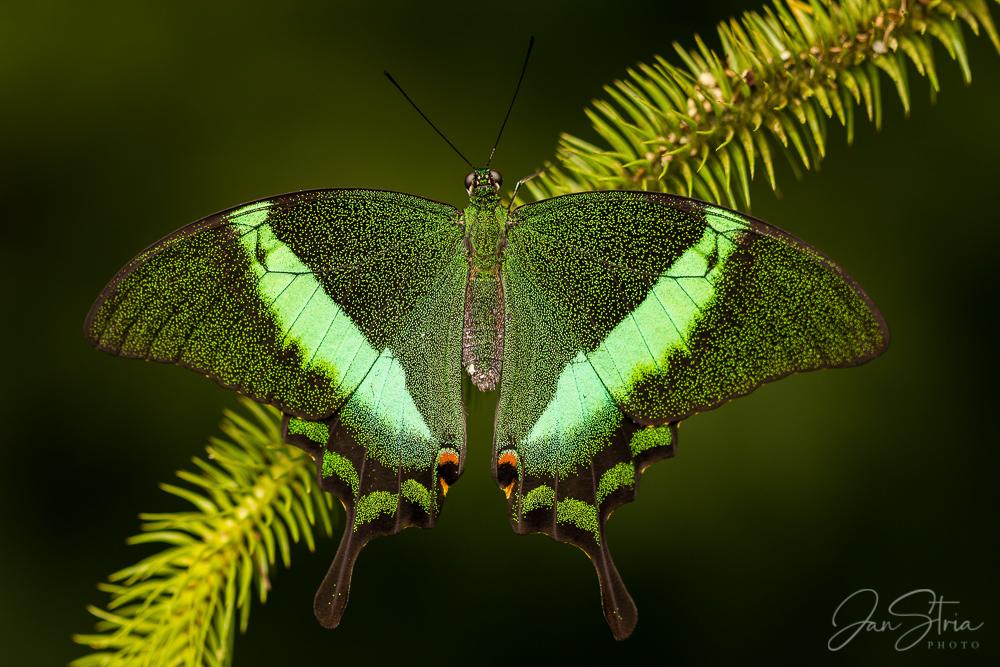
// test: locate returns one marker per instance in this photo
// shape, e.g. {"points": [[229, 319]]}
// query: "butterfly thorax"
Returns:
{"points": [[483, 324]]}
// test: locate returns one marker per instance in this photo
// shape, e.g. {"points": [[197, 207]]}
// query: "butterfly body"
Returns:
{"points": [[604, 318], [485, 219]]}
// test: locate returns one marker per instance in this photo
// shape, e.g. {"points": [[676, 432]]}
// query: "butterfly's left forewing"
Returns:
{"points": [[343, 308], [629, 311]]}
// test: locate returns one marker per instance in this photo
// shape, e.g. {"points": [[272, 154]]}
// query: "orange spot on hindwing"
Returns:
{"points": [[507, 456], [447, 468], [507, 468]]}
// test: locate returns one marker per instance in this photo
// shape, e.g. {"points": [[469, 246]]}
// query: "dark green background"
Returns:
{"points": [[123, 121]]}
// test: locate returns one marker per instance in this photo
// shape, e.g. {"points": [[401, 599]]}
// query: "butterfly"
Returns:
{"points": [[604, 318]]}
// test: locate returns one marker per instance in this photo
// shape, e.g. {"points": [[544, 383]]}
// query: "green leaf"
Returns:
{"points": [[865, 84], [741, 169], [981, 12], [876, 94], [896, 69], [849, 113], [765, 155]]}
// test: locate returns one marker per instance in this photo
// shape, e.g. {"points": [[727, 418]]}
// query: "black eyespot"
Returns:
{"points": [[470, 180], [496, 178], [506, 470], [506, 473], [448, 465]]}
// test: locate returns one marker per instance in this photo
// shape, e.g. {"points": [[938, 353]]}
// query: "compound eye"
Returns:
{"points": [[496, 178], [470, 180]]}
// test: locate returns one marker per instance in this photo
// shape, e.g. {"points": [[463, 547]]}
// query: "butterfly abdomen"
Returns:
{"points": [[483, 331]]}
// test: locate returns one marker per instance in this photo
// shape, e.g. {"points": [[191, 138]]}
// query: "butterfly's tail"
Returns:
{"points": [[580, 530], [619, 609], [331, 598], [378, 499]]}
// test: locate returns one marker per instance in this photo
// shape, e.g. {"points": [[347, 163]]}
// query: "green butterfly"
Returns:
{"points": [[605, 318]]}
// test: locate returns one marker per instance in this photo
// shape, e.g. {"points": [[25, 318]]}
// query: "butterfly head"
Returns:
{"points": [[483, 178]]}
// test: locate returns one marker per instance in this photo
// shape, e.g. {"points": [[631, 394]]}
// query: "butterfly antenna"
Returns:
{"points": [[523, 70], [389, 76]]}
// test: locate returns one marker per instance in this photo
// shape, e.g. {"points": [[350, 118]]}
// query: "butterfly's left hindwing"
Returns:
{"points": [[343, 308], [629, 311]]}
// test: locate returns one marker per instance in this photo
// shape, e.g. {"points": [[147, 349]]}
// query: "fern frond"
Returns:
{"points": [[702, 128], [252, 498]]}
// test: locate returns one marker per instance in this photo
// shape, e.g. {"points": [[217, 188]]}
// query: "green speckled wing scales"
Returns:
{"points": [[617, 315], [390, 453], [629, 311], [343, 308], [381, 495], [289, 300]]}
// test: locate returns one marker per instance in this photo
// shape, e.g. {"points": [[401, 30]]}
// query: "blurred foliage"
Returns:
{"points": [[698, 129], [694, 130], [255, 496]]}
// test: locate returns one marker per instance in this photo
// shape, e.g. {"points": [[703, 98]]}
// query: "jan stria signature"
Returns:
{"points": [[915, 625]]}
